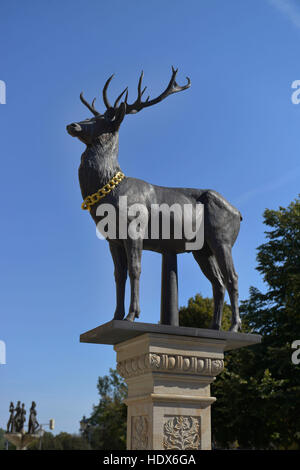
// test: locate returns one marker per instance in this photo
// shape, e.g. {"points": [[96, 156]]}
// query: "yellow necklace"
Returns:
{"points": [[89, 201]]}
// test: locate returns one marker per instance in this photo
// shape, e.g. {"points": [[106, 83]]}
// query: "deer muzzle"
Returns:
{"points": [[74, 129]]}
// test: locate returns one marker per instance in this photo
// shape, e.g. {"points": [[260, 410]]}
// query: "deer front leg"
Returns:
{"points": [[119, 257], [134, 254]]}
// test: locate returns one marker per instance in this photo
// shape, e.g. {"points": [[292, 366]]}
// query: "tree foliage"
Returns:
{"points": [[259, 392], [106, 427], [62, 441], [199, 313], [2, 439]]}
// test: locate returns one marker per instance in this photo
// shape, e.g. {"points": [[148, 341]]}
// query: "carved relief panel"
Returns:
{"points": [[139, 433], [182, 433]]}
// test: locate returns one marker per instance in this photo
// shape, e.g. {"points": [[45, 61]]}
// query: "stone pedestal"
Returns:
{"points": [[21, 440], [168, 370]]}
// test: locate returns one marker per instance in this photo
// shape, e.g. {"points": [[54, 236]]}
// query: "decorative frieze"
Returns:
{"points": [[169, 363], [182, 433]]}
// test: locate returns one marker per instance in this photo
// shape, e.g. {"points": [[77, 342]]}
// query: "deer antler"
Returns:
{"points": [[91, 107], [138, 105], [172, 87], [104, 93]]}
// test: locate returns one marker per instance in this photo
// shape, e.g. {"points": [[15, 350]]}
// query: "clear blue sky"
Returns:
{"points": [[235, 130]]}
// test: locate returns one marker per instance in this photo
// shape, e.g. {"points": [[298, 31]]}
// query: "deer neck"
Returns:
{"points": [[99, 163]]}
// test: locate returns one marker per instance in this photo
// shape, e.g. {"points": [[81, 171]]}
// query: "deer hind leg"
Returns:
{"points": [[134, 254], [119, 257], [223, 256], [211, 270]]}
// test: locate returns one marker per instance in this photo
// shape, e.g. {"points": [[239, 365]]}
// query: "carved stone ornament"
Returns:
{"points": [[182, 433], [169, 363], [139, 433]]}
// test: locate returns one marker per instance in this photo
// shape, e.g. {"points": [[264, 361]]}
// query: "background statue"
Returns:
{"points": [[32, 422], [102, 181], [18, 418], [11, 423], [22, 418]]}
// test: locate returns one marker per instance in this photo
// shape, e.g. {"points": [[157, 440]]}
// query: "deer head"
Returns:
{"points": [[91, 130]]}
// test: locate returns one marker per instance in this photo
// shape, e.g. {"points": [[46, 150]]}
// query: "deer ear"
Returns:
{"points": [[120, 114]]}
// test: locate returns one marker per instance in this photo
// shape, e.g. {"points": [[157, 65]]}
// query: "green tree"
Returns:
{"points": [[62, 441], [106, 427], [199, 313], [47, 443], [2, 439], [68, 441], [276, 315]]}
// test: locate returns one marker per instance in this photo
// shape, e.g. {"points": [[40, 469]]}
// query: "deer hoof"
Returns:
{"points": [[119, 315], [236, 326], [131, 316]]}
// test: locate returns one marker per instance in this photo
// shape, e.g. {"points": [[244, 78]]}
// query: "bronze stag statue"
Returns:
{"points": [[103, 184]]}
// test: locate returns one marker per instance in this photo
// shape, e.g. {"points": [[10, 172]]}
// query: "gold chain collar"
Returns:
{"points": [[89, 201]]}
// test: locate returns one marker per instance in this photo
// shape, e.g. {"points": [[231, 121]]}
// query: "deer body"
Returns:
{"points": [[99, 163]]}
